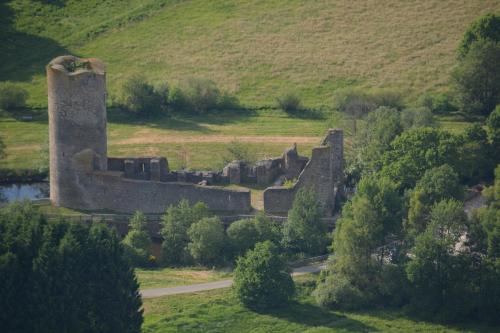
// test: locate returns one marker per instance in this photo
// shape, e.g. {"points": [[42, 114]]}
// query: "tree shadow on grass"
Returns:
{"points": [[195, 123], [314, 316], [23, 55]]}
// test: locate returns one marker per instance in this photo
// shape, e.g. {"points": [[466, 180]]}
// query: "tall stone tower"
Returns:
{"points": [[77, 126], [335, 139]]}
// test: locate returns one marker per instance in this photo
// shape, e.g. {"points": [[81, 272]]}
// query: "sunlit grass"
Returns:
{"points": [[258, 50]]}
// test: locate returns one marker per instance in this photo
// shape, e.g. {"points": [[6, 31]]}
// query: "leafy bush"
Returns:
{"points": [[486, 27], [144, 99], [388, 98], [289, 103], [137, 241], [438, 103], [242, 236], [374, 138], [64, 276], [357, 103], [417, 117], [337, 291], [239, 151], [262, 279], [477, 78], [175, 224], [268, 229], [304, 231], [12, 97], [206, 241], [200, 96]]}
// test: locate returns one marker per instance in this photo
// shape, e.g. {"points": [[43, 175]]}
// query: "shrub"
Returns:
{"points": [[206, 241], [137, 242], [417, 117], [200, 96], [337, 291], [304, 231], [175, 224], [357, 103], [388, 98], [438, 103], [289, 103], [374, 138], [262, 279], [144, 99], [12, 97], [239, 151], [268, 229], [64, 276], [486, 27], [354, 103], [477, 78], [242, 236]]}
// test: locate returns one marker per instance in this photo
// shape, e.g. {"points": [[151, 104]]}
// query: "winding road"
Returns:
{"points": [[192, 288]]}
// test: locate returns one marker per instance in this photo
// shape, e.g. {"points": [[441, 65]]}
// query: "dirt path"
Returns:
{"points": [[158, 292], [151, 138]]}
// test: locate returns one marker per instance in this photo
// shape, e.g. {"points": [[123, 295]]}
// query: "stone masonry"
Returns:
{"points": [[81, 174], [83, 177]]}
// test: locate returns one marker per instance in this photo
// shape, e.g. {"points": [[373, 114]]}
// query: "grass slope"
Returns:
{"points": [[257, 49], [218, 311]]}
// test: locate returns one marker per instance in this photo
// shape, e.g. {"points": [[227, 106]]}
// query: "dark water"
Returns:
{"points": [[13, 192]]}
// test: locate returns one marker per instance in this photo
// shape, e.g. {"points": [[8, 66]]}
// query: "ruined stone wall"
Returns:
{"points": [[77, 122], [79, 174], [143, 168], [114, 193], [323, 173]]}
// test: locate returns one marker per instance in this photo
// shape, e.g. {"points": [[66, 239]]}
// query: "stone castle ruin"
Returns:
{"points": [[82, 176]]}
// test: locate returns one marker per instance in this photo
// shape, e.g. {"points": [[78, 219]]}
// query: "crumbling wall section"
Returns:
{"points": [[113, 192], [80, 177], [323, 174]]}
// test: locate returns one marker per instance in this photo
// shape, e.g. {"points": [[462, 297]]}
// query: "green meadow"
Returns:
{"points": [[254, 49]]}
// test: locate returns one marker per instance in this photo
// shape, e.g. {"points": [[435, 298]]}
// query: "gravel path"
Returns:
{"points": [[192, 288]]}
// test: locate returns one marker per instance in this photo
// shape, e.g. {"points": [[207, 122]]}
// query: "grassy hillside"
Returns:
{"points": [[256, 49]]}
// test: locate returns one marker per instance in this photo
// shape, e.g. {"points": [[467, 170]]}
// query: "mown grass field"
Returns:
{"points": [[255, 49], [218, 311], [194, 142]]}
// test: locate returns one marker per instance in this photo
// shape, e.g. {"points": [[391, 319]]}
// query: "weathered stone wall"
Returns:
{"points": [[79, 173], [114, 193], [145, 168], [77, 122], [323, 173]]}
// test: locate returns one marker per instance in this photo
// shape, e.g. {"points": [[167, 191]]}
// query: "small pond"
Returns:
{"points": [[21, 191]]}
